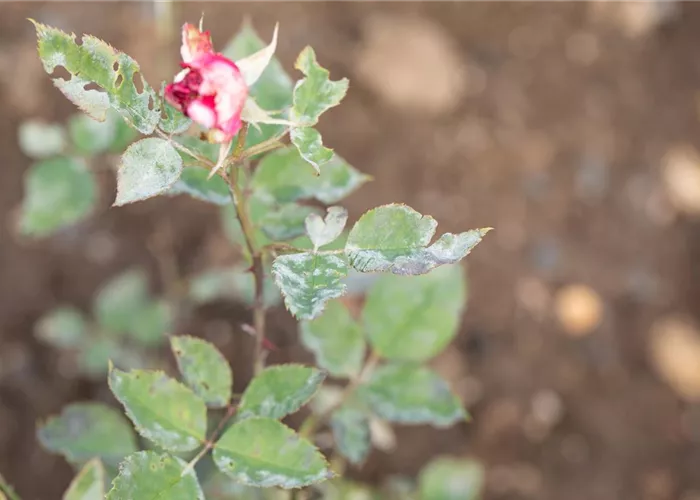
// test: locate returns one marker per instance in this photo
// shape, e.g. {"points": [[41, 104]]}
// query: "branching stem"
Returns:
{"points": [[209, 443]]}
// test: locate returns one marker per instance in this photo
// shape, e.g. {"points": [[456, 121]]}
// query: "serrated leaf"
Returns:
{"points": [[412, 394], [265, 453], [39, 140], [351, 433], [395, 238], [284, 176], [310, 145], [309, 280], [63, 327], [148, 168], [285, 222], [58, 192], [446, 478], [416, 317], [172, 121], [323, 231], [162, 409], [150, 475], [120, 300], [94, 61], [315, 93], [235, 283], [336, 340], [88, 484], [279, 390], [90, 136], [87, 430], [204, 369]]}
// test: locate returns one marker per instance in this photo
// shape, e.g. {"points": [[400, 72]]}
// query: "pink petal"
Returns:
{"points": [[194, 43], [202, 113]]}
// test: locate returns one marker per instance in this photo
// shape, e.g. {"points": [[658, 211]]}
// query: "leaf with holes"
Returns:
{"points": [[284, 176], [265, 453], [147, 474], [88, 484], [309, 280], [162, 410], [58, 192], [315, 93], [412, 394], [41, 140], [63, 327], [87, 430], [279, 390], [395, 238], [204, 369], [323, 231], [351, 433], [148, 168], [336, 340], [447, 478], [310, 145], [415, 317], [94, 61]]}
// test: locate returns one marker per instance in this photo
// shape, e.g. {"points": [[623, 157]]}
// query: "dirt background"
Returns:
{"points": [[570, 128]]}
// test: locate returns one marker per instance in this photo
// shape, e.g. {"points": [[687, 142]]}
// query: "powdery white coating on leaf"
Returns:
{"points": [[148, 168], [323, 231], [148, 475], [265, 453], [162, 409], [280, 390], [308, 281], [310, 145]]}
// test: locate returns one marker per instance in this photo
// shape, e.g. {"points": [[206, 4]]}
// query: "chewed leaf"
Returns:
{"points": [[323, 231], [162, 409], [315, 93], [204, 369], [395, 238], [148, 168], [89, 484], [308, 281], [150, 475], [94, 61], [252, 66], [310, 145], [265, 453], [279, 390]]}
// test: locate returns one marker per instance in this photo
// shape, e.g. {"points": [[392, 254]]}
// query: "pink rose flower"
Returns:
{"points": [[210, 90]]}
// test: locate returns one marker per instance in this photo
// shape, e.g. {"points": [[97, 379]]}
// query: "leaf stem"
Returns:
{"points": [[267, 145], [209, 443], [206, 162]]}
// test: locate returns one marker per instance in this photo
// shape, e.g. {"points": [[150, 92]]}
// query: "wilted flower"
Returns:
{"points": [[211, 89]]}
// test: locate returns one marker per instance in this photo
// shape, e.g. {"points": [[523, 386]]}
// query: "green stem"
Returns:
{"points": [[265, 146], [209, 443], [7, 490]]}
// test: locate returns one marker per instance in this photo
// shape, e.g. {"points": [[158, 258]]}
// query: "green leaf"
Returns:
{"points": [[264, 452], [323, 231], [446, 478], [284, 176], [41, 140], [90, 136], [149, 475], [202, 148], [285, 222], [204, 369], [88, 484], [148, 168], [94, 61], [162, 409], [87, 430], [235, 283], [172, 121], [120, 300], [412, 394], [95, 354], [336, 340], [151, 323], [310, 145], [195, 182], [58, 192], [343, 489], [395, 238], [279, 390], [308, 281], [316, 93], [351, 433], [63, 327], [6, 489], [416, 317]]}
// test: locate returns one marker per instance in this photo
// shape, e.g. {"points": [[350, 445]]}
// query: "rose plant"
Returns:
{"points": [[218, 132]]}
